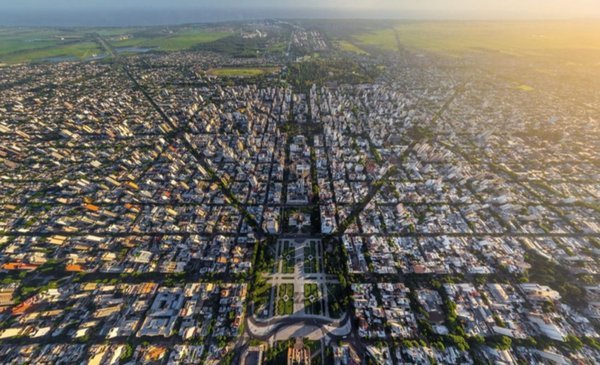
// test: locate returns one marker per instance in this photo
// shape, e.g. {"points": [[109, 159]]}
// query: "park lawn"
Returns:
{"points": [[284, 307], [312, 307], [288, 257], [241, 71], [311, 265]]}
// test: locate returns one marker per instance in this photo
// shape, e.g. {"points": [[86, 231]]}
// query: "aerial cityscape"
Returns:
{"points": [[301, 191]]}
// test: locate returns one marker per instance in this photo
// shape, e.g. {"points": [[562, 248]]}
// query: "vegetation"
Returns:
{"points": [[337, 300], [285, 299], [261, 293], [288, 258], [126, 353], [311, 264], [67, 51], [303, 75], [241, 71], [558, 277], [384, 39], [237, 46], [312, 299], [180, 40], [351, 47], [514, 38], [277, 354]]}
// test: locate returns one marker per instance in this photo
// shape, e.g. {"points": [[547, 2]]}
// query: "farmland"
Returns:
{"points": [[511, 38]]}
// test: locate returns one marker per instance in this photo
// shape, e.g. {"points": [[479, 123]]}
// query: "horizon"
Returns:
{"points": [[133, 13]]}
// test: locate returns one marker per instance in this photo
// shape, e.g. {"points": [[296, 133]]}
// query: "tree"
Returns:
{"points": [[573, 343], [126, 353], [500, 342], [459, 342], [477, 340]]}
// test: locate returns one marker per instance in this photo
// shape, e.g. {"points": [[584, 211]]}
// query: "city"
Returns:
{"points": [[323, 200]]}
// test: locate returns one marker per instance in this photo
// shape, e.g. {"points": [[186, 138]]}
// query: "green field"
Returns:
{"points": [[242, 71], [15, 40], [76, 51], [515, 38], [21, 45], [177, 41], [384, 39], [350, 47]]}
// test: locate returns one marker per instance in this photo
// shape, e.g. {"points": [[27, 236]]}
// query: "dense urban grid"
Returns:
{"points": [[301, 204]]}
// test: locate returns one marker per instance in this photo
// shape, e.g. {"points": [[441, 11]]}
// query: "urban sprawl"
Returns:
{"points": [[395, 208]]}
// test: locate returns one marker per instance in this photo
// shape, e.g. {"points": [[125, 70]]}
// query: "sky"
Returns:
{"points": [[488, 8], [177, 11]]}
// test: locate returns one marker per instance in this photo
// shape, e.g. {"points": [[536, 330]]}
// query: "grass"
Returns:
{"points": [[288, 257], [310, 265], [17, 39], [79, 50], [33, 44], [351, 47], [174, 42], [285, 300], [23, 44], [525, 88], [514, 38], [262, 294], [312, 306], [384, 39], [242, 71]]}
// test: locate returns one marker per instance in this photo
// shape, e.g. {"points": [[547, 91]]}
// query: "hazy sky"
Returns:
{"points": [[150, 12], [437, 8]]}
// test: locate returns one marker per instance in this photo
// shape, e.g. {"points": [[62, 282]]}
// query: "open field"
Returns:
{"points": [[75, 51], [15, 40], [513, 38], [350, 47], [242, 71], [24, 44], [177, 41], [384, 39], [34, 44]]}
